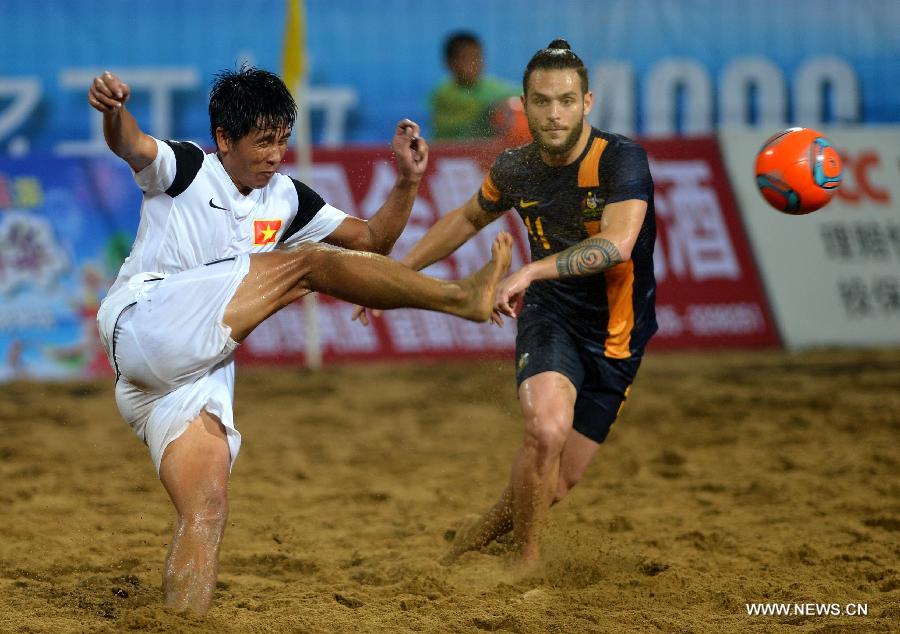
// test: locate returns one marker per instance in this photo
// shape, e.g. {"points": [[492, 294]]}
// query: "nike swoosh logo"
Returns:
{"points": [[527, 203], [215, 206]]}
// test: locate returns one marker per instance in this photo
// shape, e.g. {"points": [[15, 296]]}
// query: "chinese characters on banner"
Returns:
{"points": [[833, 276], [866, 242], [709, 291]]}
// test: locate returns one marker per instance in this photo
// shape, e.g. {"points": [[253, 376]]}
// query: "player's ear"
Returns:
{"points": [[588, 102], [223, 144]]}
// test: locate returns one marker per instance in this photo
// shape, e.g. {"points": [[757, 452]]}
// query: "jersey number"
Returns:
{"points": [[539, 228]]}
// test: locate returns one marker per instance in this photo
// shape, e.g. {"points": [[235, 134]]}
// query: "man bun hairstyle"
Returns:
{"points": [[557, 56], [247, 99]]}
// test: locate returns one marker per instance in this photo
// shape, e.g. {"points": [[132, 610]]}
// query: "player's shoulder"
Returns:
{"points": [[517, 158], [189, 145], [619, 143], [181, 161], [621, 151], [183, 150]]}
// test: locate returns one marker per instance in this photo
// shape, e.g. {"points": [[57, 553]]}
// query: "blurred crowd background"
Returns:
{"points": [[372, 61]]}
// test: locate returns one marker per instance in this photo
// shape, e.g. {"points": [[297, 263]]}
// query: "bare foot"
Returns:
{"points": [[479, 287]]}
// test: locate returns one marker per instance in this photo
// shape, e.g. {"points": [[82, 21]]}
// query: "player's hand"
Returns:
{"points": [[359, 313], [510, 291], [108, 93], [410, 149]]}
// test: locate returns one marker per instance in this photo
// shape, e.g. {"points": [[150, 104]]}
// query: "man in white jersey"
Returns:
{"points": [[225, 241]]}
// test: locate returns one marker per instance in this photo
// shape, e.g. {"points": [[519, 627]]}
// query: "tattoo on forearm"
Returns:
{"points": [[585, 258]]}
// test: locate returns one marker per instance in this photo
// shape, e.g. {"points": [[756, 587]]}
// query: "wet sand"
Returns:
{"points": [[729, 478]]}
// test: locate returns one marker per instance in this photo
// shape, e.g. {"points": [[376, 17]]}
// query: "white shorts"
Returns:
{"points": [[174, 355]]}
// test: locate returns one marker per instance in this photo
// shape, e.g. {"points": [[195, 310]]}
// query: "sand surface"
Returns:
{"points": [[729, 478]]}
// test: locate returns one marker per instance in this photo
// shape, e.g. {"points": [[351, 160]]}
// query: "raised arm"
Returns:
{"points": [[612, 245], [380, 232], [449, 233], [124, 137]]}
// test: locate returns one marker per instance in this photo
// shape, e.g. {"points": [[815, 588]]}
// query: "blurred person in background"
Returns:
{"points": [[469, 104], [225, 241], [586, 198]]}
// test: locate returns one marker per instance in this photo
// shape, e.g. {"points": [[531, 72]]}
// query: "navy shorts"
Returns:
{"points": [[545, 344]]}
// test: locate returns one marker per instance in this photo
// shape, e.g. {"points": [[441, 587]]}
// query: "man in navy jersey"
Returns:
{"points": [[225, 241], [586, 198]]}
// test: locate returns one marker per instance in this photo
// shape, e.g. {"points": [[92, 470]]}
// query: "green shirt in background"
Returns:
{"points": [[464, 112]]}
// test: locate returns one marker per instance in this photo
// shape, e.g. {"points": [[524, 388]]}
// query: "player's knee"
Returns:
{"points": [[547, 420], [546, 436], [303, 251], [309, 254], [306, 258], [208, 511]]}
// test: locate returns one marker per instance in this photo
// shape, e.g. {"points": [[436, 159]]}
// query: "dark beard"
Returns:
{"points": [[565, 148]]}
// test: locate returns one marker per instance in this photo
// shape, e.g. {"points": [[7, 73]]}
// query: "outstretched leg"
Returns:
{"points": [[541, 469], [194, 471], [278, 278], [498, 521]]}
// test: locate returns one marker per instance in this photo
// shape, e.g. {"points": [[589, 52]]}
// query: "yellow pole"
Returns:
{"points": [[294, 70]]}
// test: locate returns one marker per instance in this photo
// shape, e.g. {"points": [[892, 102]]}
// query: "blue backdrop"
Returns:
{"points": [[387, 53]]}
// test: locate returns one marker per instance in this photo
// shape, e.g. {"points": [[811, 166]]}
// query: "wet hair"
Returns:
{"points": [[455, 42], [557, 56], [247, 99]]}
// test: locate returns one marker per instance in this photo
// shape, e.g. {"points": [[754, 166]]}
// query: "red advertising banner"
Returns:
{"points": [[709, 289]]}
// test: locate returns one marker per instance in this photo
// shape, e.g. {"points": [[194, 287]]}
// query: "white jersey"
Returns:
{"points": [[193, 214]]}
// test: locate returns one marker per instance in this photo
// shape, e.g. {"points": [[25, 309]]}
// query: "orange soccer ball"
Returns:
{"points": [[797, 171]]}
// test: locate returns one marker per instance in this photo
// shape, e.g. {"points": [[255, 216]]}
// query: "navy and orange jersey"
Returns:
{"points": [[561, 206]]}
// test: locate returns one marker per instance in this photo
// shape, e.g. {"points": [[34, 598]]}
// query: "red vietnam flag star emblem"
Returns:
{"points": [[265, 231]]}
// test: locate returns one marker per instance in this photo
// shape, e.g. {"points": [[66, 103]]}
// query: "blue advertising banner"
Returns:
{"points": [[658, 67], [65, 227]]}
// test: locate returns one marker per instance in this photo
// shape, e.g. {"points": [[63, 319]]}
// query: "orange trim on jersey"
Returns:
{"points": [[489, 190], [588, 171], [592, 227], [624, 398], [619, 294]]}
